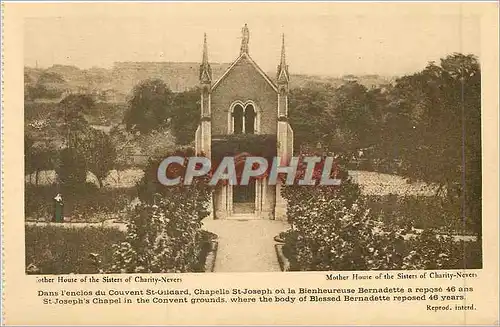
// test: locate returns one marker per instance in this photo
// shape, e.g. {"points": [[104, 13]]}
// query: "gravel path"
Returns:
{"points": [[246, 245]]}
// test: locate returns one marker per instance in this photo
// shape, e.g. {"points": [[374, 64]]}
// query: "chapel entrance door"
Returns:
{"points": [[244, 198]]}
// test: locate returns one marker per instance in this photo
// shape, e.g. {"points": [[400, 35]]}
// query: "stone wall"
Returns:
{"points": [[244, 83]]}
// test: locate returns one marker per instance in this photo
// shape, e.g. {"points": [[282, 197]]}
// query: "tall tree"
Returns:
{"points": [[436, 122], [149, 106], [99, 154], [339, 119], [73, 109], [307, 107], [38, 157], [351, 119], [185, 115]]}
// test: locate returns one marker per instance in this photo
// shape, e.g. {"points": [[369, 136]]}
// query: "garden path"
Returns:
{"points": [[246, 245]]}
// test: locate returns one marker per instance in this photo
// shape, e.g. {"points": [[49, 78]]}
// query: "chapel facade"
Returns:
{"points": [[245, 112]]}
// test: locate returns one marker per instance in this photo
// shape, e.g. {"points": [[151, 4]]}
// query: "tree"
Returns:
{"points": [[435, 120], [72, 170], [73, 109], [88, 149], [351, 119], [307, 115], [436, 105], [186, 115], [51, 78], [344, 118], [95, 150], [38, 157], [99, 154], [149, 106], [50, 85]]}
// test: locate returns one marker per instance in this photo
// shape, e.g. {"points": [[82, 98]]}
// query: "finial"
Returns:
{"points": [[205, 49], [205, 69], [245, 38], [282, 74], [283, 59]]}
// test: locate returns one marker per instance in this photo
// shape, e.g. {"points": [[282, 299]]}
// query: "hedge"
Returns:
{"points": [[164, 231], [62, 250], [85, 204], [333, 229], [420, 212]]}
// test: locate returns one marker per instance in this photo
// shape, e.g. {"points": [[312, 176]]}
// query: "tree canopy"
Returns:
{"points": [[149, 106], [426, 126], [185, 115]]}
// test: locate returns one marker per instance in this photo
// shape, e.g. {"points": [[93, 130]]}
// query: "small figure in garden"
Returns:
{"points": [[58, 209]]}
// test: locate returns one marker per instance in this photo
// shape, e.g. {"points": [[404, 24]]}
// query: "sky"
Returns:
{"points": [[317, 42]]}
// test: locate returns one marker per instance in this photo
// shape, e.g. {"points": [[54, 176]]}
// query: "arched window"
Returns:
{"points": [[238, 119], [243, 118], [249, 119]]}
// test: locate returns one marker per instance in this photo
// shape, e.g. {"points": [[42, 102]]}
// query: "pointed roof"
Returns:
{"points": [[205, 69], [282, 75], [254, 64], [244, 55]]}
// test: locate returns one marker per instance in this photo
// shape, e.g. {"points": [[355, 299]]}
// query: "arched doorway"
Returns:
{"points": [[244, 198], [243, 195]]}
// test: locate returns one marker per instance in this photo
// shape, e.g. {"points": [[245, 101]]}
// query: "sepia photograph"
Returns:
{"points": [[252, 143]]}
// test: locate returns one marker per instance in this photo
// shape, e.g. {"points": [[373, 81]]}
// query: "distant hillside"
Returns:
{"points": [[179, 76], [114, 84]]}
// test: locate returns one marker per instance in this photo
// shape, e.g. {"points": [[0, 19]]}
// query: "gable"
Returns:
{"points": [[244, 82], [242, 69]]}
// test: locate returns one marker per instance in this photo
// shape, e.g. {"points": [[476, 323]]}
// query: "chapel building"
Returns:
{"points": [[245, 112]]}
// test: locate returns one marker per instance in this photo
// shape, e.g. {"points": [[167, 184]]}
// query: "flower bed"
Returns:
{"points": [[164, 230], [55, 250], [164, 237], [334, 230], [393, 251], [420, 212]]}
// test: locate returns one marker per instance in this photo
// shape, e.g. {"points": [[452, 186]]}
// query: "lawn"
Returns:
{"points": [[374, 183]]}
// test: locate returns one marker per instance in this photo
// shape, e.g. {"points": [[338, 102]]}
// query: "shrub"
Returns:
{"points": [[420, 212], [334, 236], [72, 172], [302, 198], [334, 230], [164, 237], [429, 250], [164, 231], [149, 188]]}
